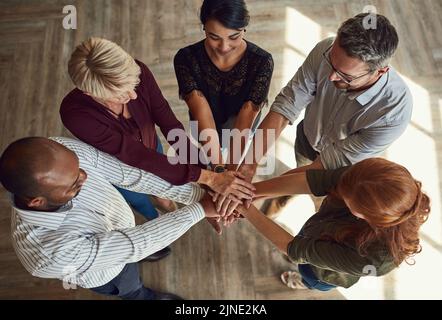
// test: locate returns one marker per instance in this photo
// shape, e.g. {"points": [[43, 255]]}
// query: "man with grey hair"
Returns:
{"points": [[355, 104]]}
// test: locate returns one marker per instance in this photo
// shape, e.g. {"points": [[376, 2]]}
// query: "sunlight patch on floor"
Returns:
{"points": [[415, 149]]}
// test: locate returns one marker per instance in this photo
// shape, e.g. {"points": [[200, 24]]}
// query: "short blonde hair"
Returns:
{"points": [[103, 69]]}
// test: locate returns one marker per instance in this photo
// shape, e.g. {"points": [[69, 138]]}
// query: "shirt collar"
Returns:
{"points": [[364, 97], [49, 220]]}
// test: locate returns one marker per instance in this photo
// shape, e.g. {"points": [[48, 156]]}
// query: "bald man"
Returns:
{"points": [[69, 222]]}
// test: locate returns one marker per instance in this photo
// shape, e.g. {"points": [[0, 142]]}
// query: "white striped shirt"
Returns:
{"points": [[88, 241]]}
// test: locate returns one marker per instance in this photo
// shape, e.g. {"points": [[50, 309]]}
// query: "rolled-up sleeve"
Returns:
{"points": [[301, 89], [321, 182], [364, 144]]}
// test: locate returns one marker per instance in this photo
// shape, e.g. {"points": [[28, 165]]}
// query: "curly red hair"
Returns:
{"points": [[392, 203]]}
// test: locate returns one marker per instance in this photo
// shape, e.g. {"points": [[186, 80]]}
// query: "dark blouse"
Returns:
{"points": [[226, 92], [133, 141]]}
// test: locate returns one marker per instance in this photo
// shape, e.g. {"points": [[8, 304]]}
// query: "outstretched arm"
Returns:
{"points": [[287, 184], [269, 229]]}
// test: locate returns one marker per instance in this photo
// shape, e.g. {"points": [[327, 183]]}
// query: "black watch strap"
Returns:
{"points": [[219, 168]]}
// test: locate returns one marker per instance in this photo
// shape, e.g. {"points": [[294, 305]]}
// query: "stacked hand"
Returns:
{"points": [[232, 184], [227, 204], [229, 190]]}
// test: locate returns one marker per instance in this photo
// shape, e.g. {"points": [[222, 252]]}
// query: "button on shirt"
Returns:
{"points": [[89, 240], [345, 127]]}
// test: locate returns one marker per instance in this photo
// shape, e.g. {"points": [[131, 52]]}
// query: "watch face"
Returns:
{"points": [[219, 169]]}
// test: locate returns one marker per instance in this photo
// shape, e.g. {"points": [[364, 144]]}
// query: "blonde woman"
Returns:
{"points": [[115, 107]]}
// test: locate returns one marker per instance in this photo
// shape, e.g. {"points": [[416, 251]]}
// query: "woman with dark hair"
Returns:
{"points": [[224, 79], [367, 225]]}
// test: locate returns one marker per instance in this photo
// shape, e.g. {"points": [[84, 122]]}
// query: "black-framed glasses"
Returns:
{"points": [[346, 78]]}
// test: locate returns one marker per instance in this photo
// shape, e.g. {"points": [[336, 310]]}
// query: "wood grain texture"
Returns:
{"points": [[34, 51]]}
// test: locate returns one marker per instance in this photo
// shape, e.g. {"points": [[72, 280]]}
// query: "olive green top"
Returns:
{"points": [[335, 263]]}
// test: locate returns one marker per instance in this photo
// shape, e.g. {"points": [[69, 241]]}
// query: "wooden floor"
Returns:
{"points": [[34, 50]]}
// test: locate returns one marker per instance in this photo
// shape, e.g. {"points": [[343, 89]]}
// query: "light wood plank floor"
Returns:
{"points": [[34, 50]]}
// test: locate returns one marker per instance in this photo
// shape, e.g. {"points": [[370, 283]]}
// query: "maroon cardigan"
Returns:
{"points": [[90, 122]]}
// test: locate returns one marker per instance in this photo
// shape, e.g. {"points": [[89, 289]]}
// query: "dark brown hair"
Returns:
{"points": [[232, 14]]}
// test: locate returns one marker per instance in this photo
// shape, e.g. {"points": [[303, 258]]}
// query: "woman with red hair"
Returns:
{"points": [[367, 225]]}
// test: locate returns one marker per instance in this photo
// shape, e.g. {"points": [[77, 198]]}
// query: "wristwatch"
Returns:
{"points": [[219, 168]]}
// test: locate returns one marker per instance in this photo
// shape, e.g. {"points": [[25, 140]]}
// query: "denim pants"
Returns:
{"points": [[311, 281], [308, 276], [127, 285], [141, 201]]}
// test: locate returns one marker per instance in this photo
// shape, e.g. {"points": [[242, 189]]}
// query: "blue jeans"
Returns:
{"points": [[308, 276], [127, 285], [310, 279], [141, 201]]}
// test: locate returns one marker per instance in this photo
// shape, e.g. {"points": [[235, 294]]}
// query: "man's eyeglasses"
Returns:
{"points": [[346, 78]]}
